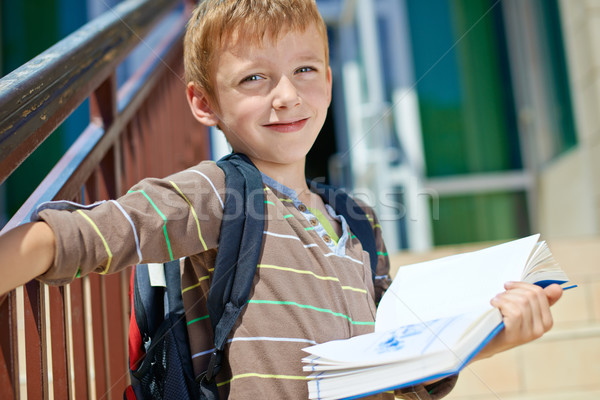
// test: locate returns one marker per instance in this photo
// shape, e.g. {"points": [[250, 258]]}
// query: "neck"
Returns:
{"points": [[291, 175]]}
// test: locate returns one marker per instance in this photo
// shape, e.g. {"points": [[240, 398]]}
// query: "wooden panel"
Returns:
{"points": [[103, 104], [7, 353], [116, 348], [58, 339], [126, 314], [33, 341], [94, 343]]}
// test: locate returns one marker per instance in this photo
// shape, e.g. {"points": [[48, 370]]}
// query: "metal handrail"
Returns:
{"points": [[38, 96], [64, 181]]}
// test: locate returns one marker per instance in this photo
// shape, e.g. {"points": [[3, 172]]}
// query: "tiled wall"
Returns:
{"points": [[565, 363]]}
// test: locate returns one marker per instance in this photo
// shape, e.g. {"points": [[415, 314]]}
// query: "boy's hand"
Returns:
{"points": [[26, 252], [526, 314]]}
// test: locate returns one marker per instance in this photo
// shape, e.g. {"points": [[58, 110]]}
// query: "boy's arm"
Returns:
{"points": [[26, 252], [526, 315]]}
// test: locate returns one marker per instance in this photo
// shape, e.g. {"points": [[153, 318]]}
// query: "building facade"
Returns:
{"points": [[464, 120]]}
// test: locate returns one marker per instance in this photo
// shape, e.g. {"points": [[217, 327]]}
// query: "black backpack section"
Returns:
{"points": [[166, 370], [158, 319]]}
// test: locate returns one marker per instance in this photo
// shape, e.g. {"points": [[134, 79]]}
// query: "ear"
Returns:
{"points": [[198, 102]]}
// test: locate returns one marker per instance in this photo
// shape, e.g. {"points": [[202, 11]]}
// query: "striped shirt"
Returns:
{"points": [[307, 289]]}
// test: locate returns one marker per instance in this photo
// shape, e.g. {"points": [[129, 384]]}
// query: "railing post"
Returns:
{"points": [[32, 341]]}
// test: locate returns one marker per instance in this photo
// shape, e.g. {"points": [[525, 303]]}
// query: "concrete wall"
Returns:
{"points": [[569, 187]]}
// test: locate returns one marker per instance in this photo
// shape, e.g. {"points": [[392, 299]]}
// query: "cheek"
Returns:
{"points": [[248, 107], [235, 116], [319, 96]]}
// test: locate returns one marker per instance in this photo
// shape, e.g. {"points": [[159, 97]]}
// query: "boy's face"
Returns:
{"points": [[273, 98]]}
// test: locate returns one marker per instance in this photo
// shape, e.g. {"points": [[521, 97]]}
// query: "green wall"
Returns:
{"points": [[28, 27], [467, 114]]}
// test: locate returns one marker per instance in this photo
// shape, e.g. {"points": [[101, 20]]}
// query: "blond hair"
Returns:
{"points": [[214, 22]]}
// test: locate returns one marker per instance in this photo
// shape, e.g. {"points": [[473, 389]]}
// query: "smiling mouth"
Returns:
{"points": [[291, 126]]}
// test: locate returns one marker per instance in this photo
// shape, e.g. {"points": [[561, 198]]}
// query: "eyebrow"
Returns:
{"points": [[311, 58], [308, 58]]}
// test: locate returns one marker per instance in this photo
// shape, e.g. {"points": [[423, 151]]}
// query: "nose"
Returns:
{"points": [[285, 94]]}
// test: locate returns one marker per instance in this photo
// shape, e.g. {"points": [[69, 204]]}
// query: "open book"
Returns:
{"points": [[430, 323]]}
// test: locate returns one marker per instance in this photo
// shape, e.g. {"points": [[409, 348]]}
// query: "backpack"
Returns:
{"points": [[159, 356]]}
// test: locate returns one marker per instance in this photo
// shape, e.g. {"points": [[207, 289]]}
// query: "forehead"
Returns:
{"points": [[244, 45]]}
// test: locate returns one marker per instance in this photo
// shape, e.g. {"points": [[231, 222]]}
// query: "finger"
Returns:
{"points": [[534, 298], [553, 293], [515, 312], [542, 317], [545, 298], [518, 284], [529, 309]]}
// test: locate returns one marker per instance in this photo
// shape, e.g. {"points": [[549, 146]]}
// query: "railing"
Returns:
{"points": [[71, 342]]}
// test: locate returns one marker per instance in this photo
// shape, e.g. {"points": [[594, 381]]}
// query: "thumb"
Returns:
{"points": [[553, 293]]}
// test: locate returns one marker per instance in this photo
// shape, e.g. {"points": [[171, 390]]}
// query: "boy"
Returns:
{"points": [[258, 69]]}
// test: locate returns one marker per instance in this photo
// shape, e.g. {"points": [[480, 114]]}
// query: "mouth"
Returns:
{"points": [[287, 126]]}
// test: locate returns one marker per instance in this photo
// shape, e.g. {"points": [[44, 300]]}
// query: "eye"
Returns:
{"points": [[305, 69], [252, 78]]}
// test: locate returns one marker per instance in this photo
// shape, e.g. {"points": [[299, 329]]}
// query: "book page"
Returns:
{"points": [[543, 267], [403, 343], [452, 285]]}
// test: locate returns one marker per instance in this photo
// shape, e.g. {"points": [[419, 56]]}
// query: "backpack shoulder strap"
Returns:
{"points": [[358, 221], [240, 242]]}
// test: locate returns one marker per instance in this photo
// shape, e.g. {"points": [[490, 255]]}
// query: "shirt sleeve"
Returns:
{"points": [[158, 220]]}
